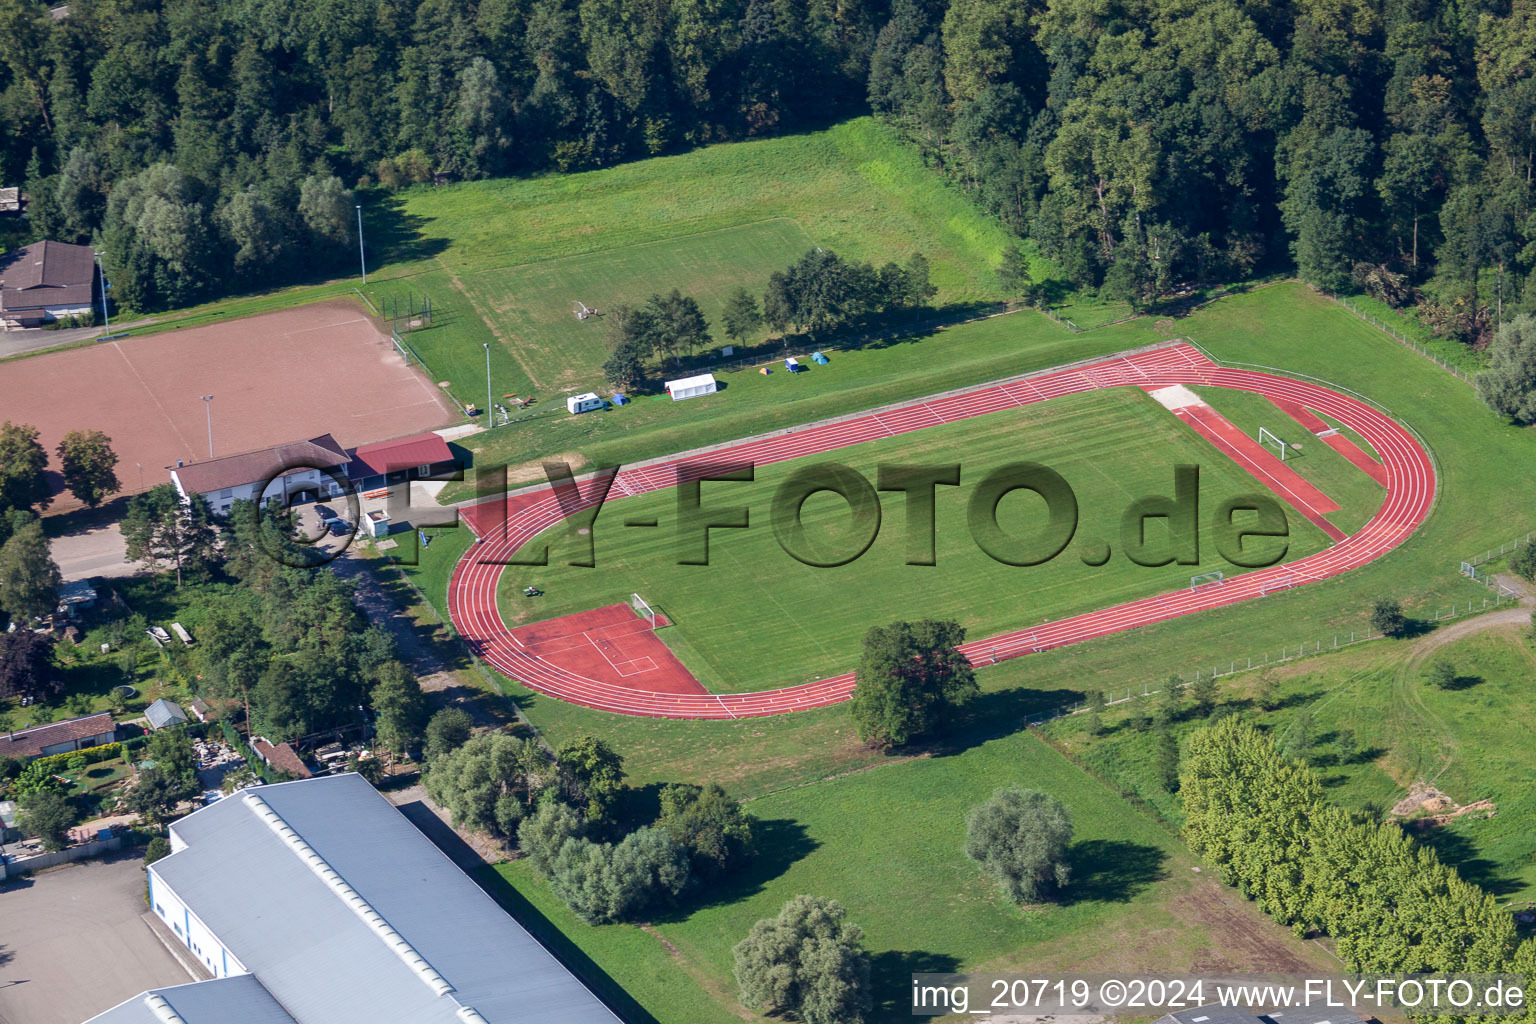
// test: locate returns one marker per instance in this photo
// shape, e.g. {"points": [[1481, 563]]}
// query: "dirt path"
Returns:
{"points": [[1517, 616], [418, 644]]}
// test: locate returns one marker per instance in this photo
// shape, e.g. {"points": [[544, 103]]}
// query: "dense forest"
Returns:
{"points": [[1145, 146]]}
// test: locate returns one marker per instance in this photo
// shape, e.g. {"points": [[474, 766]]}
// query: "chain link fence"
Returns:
{"points": [[1399, 336]]}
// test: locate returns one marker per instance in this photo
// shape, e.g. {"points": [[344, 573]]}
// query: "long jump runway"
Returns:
{"points": [[1407, 469]]}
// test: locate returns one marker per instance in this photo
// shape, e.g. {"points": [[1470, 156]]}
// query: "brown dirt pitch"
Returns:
{"points": [[284, 376]]}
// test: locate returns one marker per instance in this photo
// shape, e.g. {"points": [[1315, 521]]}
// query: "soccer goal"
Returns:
{"points": [[642, 609], [1204, 579], [1265, 437]]}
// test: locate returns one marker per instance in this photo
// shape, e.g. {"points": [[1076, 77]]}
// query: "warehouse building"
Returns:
{"points": [[323, 896]]}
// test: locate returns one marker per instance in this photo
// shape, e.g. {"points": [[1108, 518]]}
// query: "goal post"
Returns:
{"points": [[642, 609], [1267, 437], [1204, 579]]}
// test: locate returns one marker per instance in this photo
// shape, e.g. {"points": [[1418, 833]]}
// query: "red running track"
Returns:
{"points": [[1410, 493]]}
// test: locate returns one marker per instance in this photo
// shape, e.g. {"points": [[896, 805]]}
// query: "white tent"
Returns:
{"points": [[692, 387]]}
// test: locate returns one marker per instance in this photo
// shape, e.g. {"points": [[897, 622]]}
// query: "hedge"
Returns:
{"points": [[55, 764]]}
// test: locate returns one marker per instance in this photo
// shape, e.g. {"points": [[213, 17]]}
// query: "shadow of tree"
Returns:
{"points": [[563, 949], [1111, 870], [1458, 851], [781, 842], [990, 715], [890, 978], [392, 233]]}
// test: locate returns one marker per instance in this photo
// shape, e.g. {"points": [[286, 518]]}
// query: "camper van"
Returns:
{"points": [[583, 403]]}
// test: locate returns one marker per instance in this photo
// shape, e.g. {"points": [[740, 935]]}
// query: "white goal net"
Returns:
{"points": [[1267, 438], [642, 609]]}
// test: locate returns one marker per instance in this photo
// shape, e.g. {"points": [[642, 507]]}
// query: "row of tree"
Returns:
{"points": [[192, 134], [818, 292], [1261, 819], [1143, 145], [563, 813]]}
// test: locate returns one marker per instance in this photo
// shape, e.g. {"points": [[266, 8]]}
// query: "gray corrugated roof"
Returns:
{"points": [[163, 713], [319, 958], [237, 1000]]}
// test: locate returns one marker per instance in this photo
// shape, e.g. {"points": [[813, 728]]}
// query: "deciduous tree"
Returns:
{"points": [[911, 678], [87, 461], [22, 461], [808, 963], [29, 577], [1021, 836]]}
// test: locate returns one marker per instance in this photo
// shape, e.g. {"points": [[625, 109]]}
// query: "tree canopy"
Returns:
{"points": [[808, 963], [88, 463], [29, 577], [1021, 837], [910, 679]]}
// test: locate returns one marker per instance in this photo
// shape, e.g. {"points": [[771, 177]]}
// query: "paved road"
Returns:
{"points": [[73, 943], [15, 343], [94, 552]]}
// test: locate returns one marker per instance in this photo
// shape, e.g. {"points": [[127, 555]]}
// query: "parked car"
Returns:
{"points": [[340, 528], [326, 513]]}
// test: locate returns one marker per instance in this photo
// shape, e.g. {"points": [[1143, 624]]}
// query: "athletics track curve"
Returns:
{"points": [[1410, 487]]}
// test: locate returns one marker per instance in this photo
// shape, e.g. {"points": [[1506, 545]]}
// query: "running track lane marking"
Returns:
{"points": [[1409, 494]]}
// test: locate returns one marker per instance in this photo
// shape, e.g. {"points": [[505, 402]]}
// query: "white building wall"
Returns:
{"points": [[221, 500], [188, 927]]}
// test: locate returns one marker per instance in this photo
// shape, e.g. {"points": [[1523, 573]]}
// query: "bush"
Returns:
{"points": [[1441, 674], [1021, 837], [158, 847], [807, 963], [542, 835], [1523, 562], [603, 882], [446, 731], [1387, 618]]}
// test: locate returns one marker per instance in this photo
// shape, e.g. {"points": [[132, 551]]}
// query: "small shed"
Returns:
{"points": [[583, 403], [377, 523], [692, 387], [163, 714]]}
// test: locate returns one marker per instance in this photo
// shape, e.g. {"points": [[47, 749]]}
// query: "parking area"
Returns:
{"points": [[73, 942]]}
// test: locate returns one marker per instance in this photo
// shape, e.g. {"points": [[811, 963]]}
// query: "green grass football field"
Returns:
{"points": [[504, 259], [756, 618], [532, 303]]}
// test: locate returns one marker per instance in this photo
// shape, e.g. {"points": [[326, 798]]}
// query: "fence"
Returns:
{"points": [[1503, 549], [1388, 329], [1304, 649], [10, 867]]}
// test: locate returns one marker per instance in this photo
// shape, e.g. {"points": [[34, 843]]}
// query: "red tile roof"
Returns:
{"points": [[401, 453], [47, 274], [30, 742], [282, 757]]}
